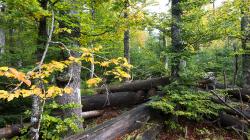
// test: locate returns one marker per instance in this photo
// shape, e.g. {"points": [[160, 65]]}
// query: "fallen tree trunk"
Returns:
{"points": [[10, 131], [15, 130], [116, 127], [92, 114], [136, 85], [240, 94], [234, 123], [100, 101]]}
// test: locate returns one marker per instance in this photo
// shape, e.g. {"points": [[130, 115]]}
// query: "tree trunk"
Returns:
{"points": [[10, 131], [92, 67], [229, 121], [176, 36], [42, 32], [2, 34], [75, 97], [116, 127], [136, 85], [126, 34], [245, 44], [100, 101], [92, 114], [2, 42], [74, 73], [236, 65], [36, 101]]}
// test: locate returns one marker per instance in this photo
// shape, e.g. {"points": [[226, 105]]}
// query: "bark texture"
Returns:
{"points": [[42, 32], [75, 96], [36, 101], [136, 85], [118, 99], [177, 45], [35, 117], [126, 38], [2, 34], [10, 131], [92, 114], [116, 127], [2, 41]]}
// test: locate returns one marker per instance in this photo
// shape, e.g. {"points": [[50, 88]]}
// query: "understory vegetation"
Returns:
{"points": [[75, 69]]}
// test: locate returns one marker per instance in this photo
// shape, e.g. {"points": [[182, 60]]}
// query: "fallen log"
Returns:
{"points": [[234, 123], [10, 131], [116, 127], [136, 85], [92, 114], [240, 94], [15, 130], [100, 101]]}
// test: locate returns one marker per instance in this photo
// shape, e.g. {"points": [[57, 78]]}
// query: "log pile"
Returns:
{"points": [[138, 93], [136, 85]]}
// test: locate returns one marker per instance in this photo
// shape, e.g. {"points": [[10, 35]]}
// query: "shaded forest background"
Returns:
{"points": [[53, 53]]}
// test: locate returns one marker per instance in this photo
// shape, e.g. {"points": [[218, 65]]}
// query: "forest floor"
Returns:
{"points": [[187, 131]]}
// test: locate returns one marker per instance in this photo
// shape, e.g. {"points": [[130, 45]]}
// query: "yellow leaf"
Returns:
{"points": [[53, 91], [94, 81], [105, 64], [20, 76], [3, 94], [26, 93], [11, 97], [4, 68], [68, 90]]}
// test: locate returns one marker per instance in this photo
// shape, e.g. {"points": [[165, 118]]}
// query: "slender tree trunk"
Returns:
{"points": [[92, 68], [126, 39], [2, 42], [236, 65], [177, 46], [42, 32], [245, 45], [35, 117], [36, 101], [2, 34]]}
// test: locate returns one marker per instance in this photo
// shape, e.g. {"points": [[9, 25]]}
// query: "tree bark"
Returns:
{"points": [[2, 42], [177, 45], [92, 114], [116, 127], [42, 32], [232, 122], [126, 39], [36, 101], [75, 97], [118, 99], [240, 94], [74, 73], [2, 34], [10, 131], [92, 67], [136, 85], [245, 32]]}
